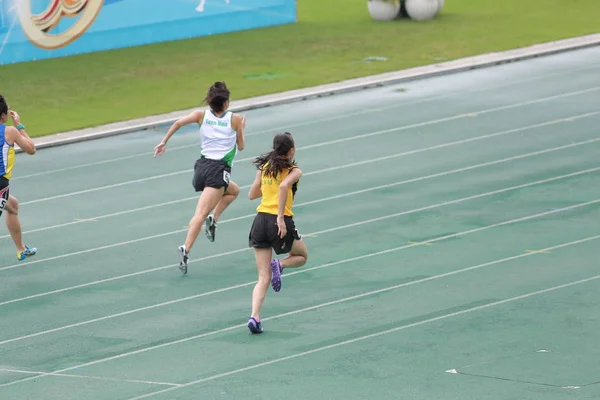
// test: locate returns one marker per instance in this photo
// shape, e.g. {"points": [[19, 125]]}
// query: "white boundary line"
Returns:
{"points": [[314, 173], [18, 371], [215, 332], [327, 119], [436, 147], [299, 205], [337, 141], [427, 71], [388, 331], [411, 152], [402, 154], [301, 271], [128, 242]]}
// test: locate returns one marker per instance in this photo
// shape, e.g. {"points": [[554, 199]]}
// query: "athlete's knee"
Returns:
{"points": [[264, 277], [299, 259], [232, 190], [199, 218], [12, 205], [304, 258], [202, 211], [299, 250]]}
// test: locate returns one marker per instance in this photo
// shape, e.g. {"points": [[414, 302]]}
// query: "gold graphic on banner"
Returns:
{"points": [[36, 27]]}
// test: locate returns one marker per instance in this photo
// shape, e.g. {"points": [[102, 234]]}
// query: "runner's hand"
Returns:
{"points": [[159, 149], [281, 228], [15, 117]]}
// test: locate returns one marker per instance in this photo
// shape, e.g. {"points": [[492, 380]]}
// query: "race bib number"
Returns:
{"points": [[3, 198], [226, 177]]}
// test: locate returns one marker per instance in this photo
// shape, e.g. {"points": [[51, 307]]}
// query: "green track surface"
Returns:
{"points": [[328, 44], [424, 215]]}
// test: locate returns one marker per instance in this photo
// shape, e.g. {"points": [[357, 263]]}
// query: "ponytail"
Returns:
{"points": [[217, 96], [275, 161]]}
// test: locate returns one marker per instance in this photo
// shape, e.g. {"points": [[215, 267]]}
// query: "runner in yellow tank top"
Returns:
{"points": [[273, 228], [9, 135], [270, 193]]}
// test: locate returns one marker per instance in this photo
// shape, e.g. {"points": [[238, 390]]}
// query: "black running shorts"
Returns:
{"points": [[211, 173], [4, 189], [264, 233]]}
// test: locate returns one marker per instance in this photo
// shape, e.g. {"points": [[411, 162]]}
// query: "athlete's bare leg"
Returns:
{"points": [[297, 257], [232, 192], [12, 222], [263, 258], [209, 198], [264, 265]]}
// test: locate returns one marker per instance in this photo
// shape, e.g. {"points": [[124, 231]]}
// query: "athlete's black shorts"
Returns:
{"points": [[211, 173], [4, 189], [264, 233]]}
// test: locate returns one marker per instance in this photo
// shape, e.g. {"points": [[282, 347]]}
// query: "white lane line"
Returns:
{"points": [[18, 371], [373, 335], [92, 164], [291, 273], [212, 333], [108, 246], [417, 151], [307, 174], [251, 215], [377, 159], [301, 204], [347, 139], [321, 120]]}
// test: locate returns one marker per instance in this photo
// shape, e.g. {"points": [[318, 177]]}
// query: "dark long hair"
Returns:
{"points": [[3, 106], [217, 96], [277, 160]]}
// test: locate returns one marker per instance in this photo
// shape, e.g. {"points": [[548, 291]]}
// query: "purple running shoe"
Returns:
{"points": [[255, 326], [276, 268]]}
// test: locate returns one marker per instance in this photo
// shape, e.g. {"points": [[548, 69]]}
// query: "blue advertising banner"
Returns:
{"points": [[41, 29]]}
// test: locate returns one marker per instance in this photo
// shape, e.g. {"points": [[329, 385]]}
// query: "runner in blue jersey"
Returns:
{"points": [[9, 135], [222, 136]]}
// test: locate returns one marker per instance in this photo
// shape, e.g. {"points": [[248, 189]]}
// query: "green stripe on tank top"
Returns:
{"points": [[230, 156]]}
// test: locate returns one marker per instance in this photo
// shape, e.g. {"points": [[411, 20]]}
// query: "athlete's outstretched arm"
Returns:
{"points": [[194, 116], [239, 124], [255, 191], [293, 177]]}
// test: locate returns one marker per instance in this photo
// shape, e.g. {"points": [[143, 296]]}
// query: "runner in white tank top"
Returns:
{"points": [[222, 136], [219, 139]]}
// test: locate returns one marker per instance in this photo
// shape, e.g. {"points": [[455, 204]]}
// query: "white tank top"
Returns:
{"points": [[219, 139]]}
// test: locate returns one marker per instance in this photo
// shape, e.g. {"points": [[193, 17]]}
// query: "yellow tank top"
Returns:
{"points": [[270, 194], [7, 155]]}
